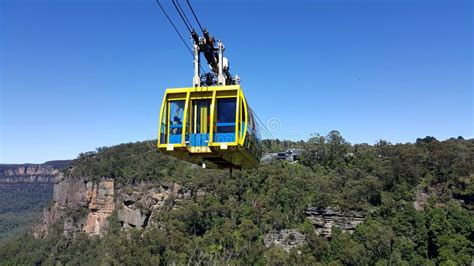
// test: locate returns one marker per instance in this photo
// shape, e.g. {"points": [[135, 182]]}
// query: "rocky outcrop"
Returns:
{"points": [[136, 205], [285, 239], [421, 200], [132, 217], [101, 206], [81, 205], [440, 190], [324, 219]]}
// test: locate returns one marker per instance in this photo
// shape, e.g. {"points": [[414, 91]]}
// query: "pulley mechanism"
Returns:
{"points": [[214, 54], [212, 50]]}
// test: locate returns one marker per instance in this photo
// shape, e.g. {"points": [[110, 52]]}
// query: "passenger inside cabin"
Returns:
{"points": [[177, 120]]}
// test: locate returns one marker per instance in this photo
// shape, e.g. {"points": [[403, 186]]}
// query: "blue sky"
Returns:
{"points": [[81, 74]]}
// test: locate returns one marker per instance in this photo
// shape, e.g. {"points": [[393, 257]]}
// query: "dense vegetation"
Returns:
{"points": [[20, 205], [228, 223]]}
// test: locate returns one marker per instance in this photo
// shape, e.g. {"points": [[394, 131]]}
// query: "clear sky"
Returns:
{"points": [[81, 74]]}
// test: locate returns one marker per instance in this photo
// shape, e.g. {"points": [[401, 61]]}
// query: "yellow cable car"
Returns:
{"points": [[210, 126], [210, 123]]}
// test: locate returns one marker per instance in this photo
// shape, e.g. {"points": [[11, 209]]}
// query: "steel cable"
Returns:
{"points": [[174, 27], [182, 17], [194, 14]]}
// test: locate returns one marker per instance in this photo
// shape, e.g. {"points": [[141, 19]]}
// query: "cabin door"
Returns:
{"points": [[200, 123]]}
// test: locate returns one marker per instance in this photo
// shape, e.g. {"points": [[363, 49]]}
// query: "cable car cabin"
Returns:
{"points": [[209, 126]]}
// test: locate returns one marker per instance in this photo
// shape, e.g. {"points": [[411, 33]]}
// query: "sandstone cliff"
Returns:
{"points": [[28, 173], [82, 205], [325, 219]]}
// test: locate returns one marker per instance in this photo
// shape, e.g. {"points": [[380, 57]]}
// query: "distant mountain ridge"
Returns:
{"points": [[18, 173], [24, 190]]}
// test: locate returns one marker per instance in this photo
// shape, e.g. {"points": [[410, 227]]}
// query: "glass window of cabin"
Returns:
{"points": [[176, 117], [201, 116], [226, 115], [164, 122]]}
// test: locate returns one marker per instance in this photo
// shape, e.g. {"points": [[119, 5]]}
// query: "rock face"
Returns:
{"points": [[86, 206], [421, 200], [325, 219], [423, 193], [138, 204], [101, 205], [285, 239], [132, 217], [78, 197]]}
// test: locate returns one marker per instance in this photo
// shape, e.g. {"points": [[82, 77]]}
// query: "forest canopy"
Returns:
{"points": [[227, 226]]}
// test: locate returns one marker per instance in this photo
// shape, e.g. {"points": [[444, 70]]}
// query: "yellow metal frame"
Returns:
{"points": [[200, 93]]}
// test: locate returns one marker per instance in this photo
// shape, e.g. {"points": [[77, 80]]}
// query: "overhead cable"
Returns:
{"points": [[174, 27], [182, 15], [194, 14]]}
